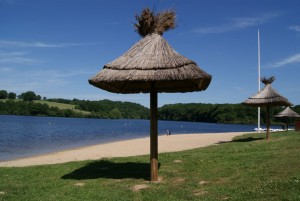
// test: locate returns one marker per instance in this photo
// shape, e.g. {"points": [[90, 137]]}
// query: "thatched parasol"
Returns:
{"points": [[286, 115], [267, 97], [152, 66], [288, 112]]}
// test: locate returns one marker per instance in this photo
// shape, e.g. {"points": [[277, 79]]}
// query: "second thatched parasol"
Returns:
{"points": [[152, 66], [286, 115], [267, 97], [288, 112]]}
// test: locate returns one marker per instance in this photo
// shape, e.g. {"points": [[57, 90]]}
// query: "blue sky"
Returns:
{"points": [[52, 47]]}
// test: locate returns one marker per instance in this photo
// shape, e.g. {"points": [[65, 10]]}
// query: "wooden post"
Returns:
{"points": [[153, 134], [297, 124], [268, 123]]}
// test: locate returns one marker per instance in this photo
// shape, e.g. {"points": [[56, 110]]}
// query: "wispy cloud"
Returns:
{"points": [[56, 74], [8, 43], [48, 75], [294, 28], [286, 61], [238, 23], [18, 80], [4, 70], [16, 58]]}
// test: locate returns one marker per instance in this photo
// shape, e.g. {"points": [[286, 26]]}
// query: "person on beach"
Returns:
{"points": [[168, 132]]}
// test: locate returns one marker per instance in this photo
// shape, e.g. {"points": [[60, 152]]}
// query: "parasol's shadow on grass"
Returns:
{"points": [[248, 139], [108, 169]]}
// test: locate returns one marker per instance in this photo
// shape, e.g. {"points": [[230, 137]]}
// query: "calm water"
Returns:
{"points": [[22, 136]]}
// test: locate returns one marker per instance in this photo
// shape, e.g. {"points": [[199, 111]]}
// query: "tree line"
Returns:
{"points": [[94, 109], [26, 96], [24, 104], [106, 109], [29, 108], [218, 113]]}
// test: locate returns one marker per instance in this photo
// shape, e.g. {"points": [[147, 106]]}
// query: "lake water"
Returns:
{"points": [[23, 136]]}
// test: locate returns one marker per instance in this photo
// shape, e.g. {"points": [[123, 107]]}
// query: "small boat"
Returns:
{"points": [[260, 129], [272, 129]]}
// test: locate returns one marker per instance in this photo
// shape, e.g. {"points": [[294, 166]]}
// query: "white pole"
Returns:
{"points": [[258, 110]]}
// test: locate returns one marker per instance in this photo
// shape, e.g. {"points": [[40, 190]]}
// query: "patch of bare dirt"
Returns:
{"points": [[79, 184], [200, 192], [139, 187], [179, 180], [204, 182]]}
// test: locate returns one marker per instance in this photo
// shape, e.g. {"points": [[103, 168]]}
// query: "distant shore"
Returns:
{"points": [[134, 147]]}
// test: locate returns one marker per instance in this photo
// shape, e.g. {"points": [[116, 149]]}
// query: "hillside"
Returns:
{"points": [[106, 109], [74, 108], [62, 106], [218, 113]]}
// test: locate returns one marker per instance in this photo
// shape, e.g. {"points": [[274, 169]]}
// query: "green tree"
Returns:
{"points": [[115, 113], [2, 107], [3, 94], [12, 95], [29, 96]]}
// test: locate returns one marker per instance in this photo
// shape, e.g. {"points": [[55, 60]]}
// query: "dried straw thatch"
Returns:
{"points": [[267, 96], [148, 22], [151, 60], [286, 116], [288, 112], [152, 66]]}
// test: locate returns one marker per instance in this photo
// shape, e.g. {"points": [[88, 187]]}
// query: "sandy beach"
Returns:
{"points": [[135, 147]]}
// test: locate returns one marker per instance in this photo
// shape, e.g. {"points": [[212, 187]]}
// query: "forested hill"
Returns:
{"points": [[108, 109], [196, 112], [29, 103], [105, 109], [217, 113]]}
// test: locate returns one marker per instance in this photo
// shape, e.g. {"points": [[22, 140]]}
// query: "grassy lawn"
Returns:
{"points": [[62, 106], [249, 168]]}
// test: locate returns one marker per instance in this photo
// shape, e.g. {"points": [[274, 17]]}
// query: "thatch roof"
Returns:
{"points": [[148, 23], [151, 59], [267, 96], [152, 66], [288, 112]]}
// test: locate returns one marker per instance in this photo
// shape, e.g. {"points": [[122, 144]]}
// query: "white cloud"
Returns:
{"points": [[287, 61], [238, 23], [37, 80], [5, 70], [294, 28], [50, 76], [22, 44], [16, 58], [8, 54]]}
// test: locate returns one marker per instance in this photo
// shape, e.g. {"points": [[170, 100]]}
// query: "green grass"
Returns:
{"points": [[62, 106], [249, 168]]}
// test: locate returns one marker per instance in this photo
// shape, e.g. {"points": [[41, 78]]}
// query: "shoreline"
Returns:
{"points": [[124, 148]]}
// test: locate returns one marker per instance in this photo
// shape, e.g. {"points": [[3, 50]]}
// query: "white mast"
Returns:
{"points": [[258, 110]]}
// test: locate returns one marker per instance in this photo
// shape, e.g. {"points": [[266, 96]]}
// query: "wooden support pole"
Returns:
{"points": [[268, 123], [153, 134]]}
